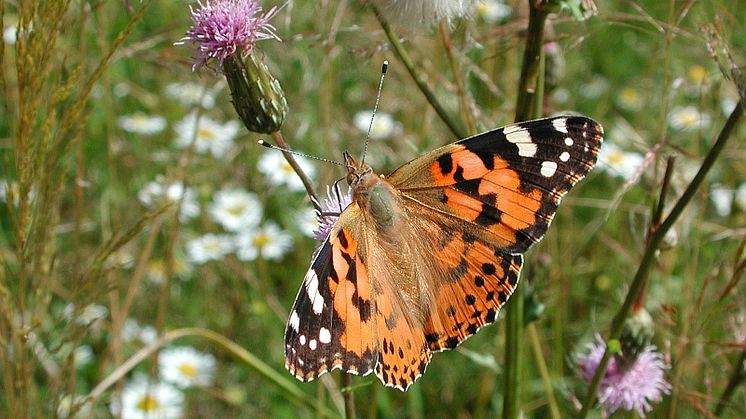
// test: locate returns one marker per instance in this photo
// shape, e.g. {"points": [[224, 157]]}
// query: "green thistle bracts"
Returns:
{"points": [[257, 95], [637, 333]]}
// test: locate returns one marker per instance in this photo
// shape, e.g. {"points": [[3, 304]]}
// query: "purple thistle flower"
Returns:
{"points": [[224, 28], [629, 384], [333, 204]]}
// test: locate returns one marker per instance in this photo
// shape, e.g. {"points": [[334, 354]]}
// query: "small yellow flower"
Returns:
{"points": [[697, 74]]}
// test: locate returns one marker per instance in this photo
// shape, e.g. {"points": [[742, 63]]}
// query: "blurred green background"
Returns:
{"points": [[642, 69]]}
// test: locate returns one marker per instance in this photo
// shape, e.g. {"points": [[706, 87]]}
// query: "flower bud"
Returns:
{"points": [[257, 95], [637, 333]]}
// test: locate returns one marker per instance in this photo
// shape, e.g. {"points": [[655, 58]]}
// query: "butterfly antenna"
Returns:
{"points": [[384, 68], [274, 147]]}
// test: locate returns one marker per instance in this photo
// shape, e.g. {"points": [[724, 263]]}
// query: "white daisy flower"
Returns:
{"points": [[722, 199], [688, 118], [620, 163], [121, 89], [268, 241], [741, 197], [208, 247], [142, 399], [159, 192], [407, 13], [493, 11], [67, 402], [727, 104], [190, 94], [383, 127], [279, 172], [307, 221], [83, 355], [140, 123], [211, 136], [155, 271], [122, 258], [3, 190], [132, 331], [629, 99], [595, 88], [186, 367], [9, 34], [91, 315], [235, 209], [561, 95]]}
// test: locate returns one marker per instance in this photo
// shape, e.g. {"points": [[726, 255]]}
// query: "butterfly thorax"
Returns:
{"points": [[372, 193]]}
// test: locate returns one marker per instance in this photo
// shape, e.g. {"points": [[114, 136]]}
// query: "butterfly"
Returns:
{"points": [[424, 257]]}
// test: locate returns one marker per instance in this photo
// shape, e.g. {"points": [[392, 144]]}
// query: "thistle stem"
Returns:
{"points": [[528, 90], [277, 136], [736, 378], [655, 240], [349, 396], [403, 55]]}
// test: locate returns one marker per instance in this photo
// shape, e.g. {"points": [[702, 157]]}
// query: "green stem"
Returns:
{"points": [[513, 355], [655, 239], [541, 364], [527, 86], [529, 90], [349, 396], [738, 376], [453, 125]]}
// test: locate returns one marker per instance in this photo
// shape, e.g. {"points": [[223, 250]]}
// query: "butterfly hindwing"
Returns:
{"points": [[481, 279], [331, 325]]}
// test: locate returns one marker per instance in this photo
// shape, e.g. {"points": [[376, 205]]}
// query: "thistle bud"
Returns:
{"points": [[257, 95], [637, 333]]}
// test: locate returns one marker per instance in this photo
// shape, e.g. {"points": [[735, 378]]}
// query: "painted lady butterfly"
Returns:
{"points": [[423, 258]]}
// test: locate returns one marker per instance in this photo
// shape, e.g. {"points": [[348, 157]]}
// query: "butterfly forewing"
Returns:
{"points": [[508, 181]]}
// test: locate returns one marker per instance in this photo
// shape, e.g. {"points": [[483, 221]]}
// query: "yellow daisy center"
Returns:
{"points": [[616, 157], [206, 134], [261, 240], [148, 404], [188, 369], [236, 209], [689, 119], [629, 95]]}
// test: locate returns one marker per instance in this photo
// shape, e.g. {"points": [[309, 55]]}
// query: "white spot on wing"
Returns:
{"points": [[560, 124], [302, 339], [548, 168], [324, 335], [294, 321], [312, 287], [312, 344], [565, 156], [569, 141], [521, 138]]}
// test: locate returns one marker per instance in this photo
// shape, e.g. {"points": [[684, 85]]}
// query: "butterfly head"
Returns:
{"points": [[359, 173]]}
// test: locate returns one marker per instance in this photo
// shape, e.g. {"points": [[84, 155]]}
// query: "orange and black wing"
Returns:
{"points": [[505, 183], [482, 202], [332, 323]]}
